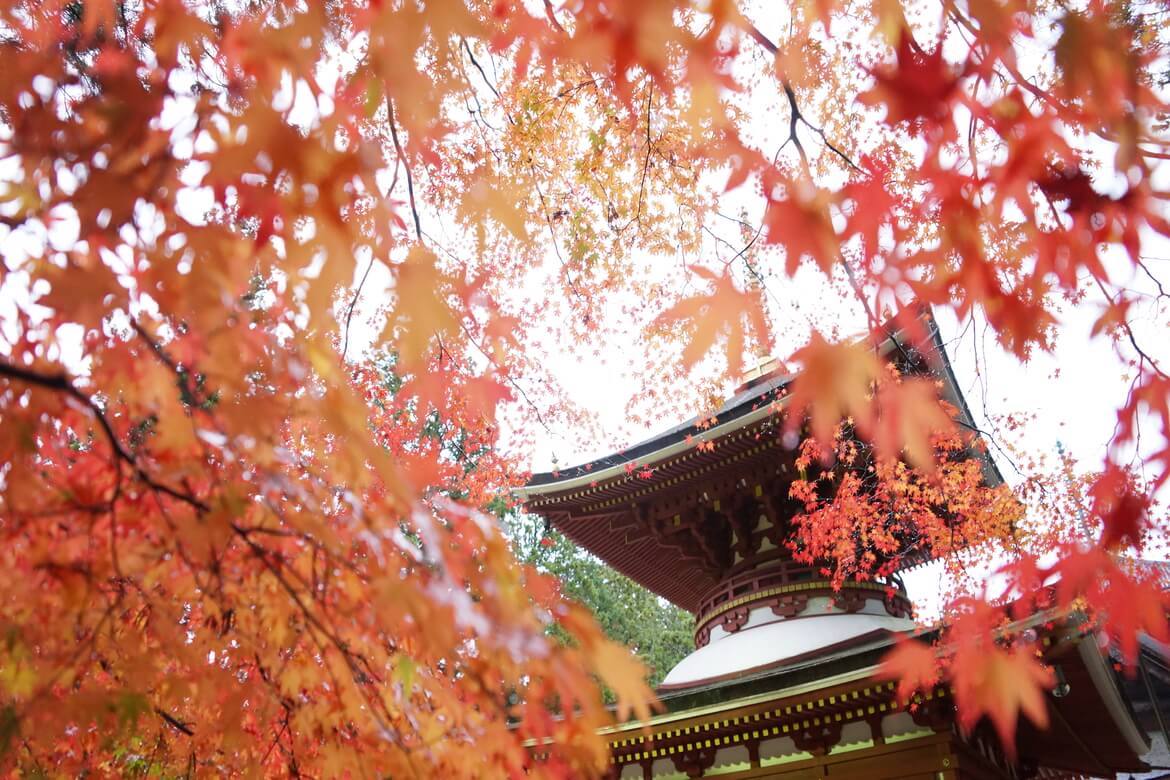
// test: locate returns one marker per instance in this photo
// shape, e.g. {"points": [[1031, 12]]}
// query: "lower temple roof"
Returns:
{"points": [[832, 709]]}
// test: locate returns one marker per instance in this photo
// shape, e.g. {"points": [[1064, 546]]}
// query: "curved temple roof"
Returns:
{"points": [[627, 507], [753, 401]]}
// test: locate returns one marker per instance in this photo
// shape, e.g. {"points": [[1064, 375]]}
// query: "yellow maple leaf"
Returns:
{"points": [[421, 311]]}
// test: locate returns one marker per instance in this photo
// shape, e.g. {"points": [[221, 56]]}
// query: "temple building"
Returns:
{"points": [[782, 681]]}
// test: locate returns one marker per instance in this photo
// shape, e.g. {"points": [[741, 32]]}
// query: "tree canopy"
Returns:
{"points": [[227, 545]]}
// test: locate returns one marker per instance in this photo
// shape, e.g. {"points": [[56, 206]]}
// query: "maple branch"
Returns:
{"points": [[646, 164], [555, 240], [478, 67], [353, 660], [174, 722], [1044, 96], [279, 734], [531, 165], [742, 253], [1125, 326], [1157, 282], [796, 116], [793, 125], [406, 166], [61, 383], [571, 90], [552, 16], [507, 376], [184, 377]]}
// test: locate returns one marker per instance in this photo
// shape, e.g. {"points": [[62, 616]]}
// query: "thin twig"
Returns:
{"points": [[406, 167], [353, 305], [475, 62], [649, 146]]}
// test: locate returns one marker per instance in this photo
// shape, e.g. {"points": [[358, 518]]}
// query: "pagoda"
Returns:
{"points": [[782, 681]]}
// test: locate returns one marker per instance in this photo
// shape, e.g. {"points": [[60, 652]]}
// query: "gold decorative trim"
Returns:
{"points": [[612, 476], [666, 483], [864, 711]]}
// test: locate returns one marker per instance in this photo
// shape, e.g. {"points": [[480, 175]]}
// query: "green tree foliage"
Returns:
{"points": [[659, 632]]}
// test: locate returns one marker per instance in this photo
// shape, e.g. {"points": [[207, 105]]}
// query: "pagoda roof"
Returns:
{"points": [[618, 507], [752, 401]]}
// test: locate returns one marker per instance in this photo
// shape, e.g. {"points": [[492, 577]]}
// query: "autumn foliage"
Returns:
{"points": [[276, 276]]}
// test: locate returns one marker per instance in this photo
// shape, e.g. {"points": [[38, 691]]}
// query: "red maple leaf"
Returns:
{"points": [[1123, 512], [873, 205], [918, 86], [1125, 605]]}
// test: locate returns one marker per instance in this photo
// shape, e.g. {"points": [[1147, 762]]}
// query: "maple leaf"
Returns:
{"points": [[1001, 684], [873, 205], [1133, 607], [421, 312], [909, 414], [1127, 606], [1151, 394], [802, 225], [626, 677], [1123, 512], [917, 86], [1025, 580], [82, 292], [834, 383], [914, 664], [1113, 316], [722, 312]]}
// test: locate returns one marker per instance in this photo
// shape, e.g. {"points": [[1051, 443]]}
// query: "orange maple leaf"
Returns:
{"points": [[625, 675], [909, 412], [720, 313], [834, 383], [1000, 684], [422, 311], [913, 664]]}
